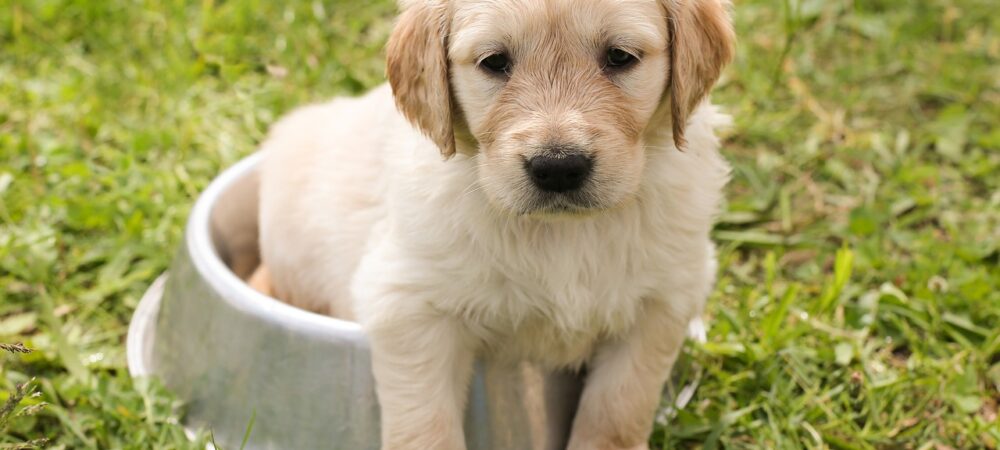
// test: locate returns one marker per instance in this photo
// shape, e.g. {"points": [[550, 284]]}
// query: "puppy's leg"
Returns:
{"points": [[422, 364], [261, 280], [625, 383]]}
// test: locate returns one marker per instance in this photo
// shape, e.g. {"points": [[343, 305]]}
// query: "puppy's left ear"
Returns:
{"points": [[417, 69], [702, 42]]}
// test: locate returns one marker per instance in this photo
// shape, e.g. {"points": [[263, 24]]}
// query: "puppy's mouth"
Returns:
{"points": [[562, 205]]}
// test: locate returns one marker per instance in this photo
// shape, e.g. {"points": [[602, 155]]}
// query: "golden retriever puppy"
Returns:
{"points": [[567, 223]]}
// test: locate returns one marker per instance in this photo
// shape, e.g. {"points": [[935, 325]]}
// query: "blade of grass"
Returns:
{"points": [[246, 436]]}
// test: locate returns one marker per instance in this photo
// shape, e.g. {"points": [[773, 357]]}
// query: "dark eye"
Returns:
{"points": [[497, 63], [619, 59]]}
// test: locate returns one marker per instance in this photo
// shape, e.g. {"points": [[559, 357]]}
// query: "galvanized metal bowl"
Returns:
{"points": [[236, 356]]}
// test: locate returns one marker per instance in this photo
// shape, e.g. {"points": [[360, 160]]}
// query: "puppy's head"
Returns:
{"points": [[556, 96]]}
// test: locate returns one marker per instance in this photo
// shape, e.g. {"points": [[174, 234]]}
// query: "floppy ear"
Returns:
{"points": [[417, 69], [702, 42]]}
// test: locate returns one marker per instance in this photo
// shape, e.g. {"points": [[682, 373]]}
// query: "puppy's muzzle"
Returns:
{"points": [[559, 172]]}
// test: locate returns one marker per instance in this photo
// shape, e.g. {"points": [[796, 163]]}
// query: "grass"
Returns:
{"points": [[858, 304]]}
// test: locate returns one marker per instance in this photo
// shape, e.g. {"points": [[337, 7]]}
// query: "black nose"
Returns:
{"points": [[559, 173]]}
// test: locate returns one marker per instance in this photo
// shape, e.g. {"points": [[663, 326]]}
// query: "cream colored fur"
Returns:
{"points": [[443, 261]]}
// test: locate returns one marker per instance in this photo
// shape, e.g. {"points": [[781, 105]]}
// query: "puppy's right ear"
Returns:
{"points": [[417, 69]]}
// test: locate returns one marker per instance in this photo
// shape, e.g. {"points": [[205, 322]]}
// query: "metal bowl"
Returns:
{"points": [[241, 360]]}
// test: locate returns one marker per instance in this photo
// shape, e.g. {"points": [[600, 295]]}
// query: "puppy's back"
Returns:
{"points": [[320, 195]]}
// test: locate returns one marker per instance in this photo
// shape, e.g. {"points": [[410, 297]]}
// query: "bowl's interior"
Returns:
{"points": [[233, 225]]}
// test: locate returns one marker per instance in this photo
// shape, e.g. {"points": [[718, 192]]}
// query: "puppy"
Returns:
{"points": [[567, 224]]}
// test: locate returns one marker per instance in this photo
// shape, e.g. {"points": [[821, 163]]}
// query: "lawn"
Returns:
{"points": [[858, 302]]}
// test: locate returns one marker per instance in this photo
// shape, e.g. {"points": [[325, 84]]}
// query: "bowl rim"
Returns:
{"points": [[234, 291]]}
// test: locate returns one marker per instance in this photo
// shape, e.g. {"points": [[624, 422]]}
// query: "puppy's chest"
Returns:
{"points": [[553, 301]]}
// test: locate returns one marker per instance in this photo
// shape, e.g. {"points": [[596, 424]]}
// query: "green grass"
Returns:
{"points": [[858, 304]]}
